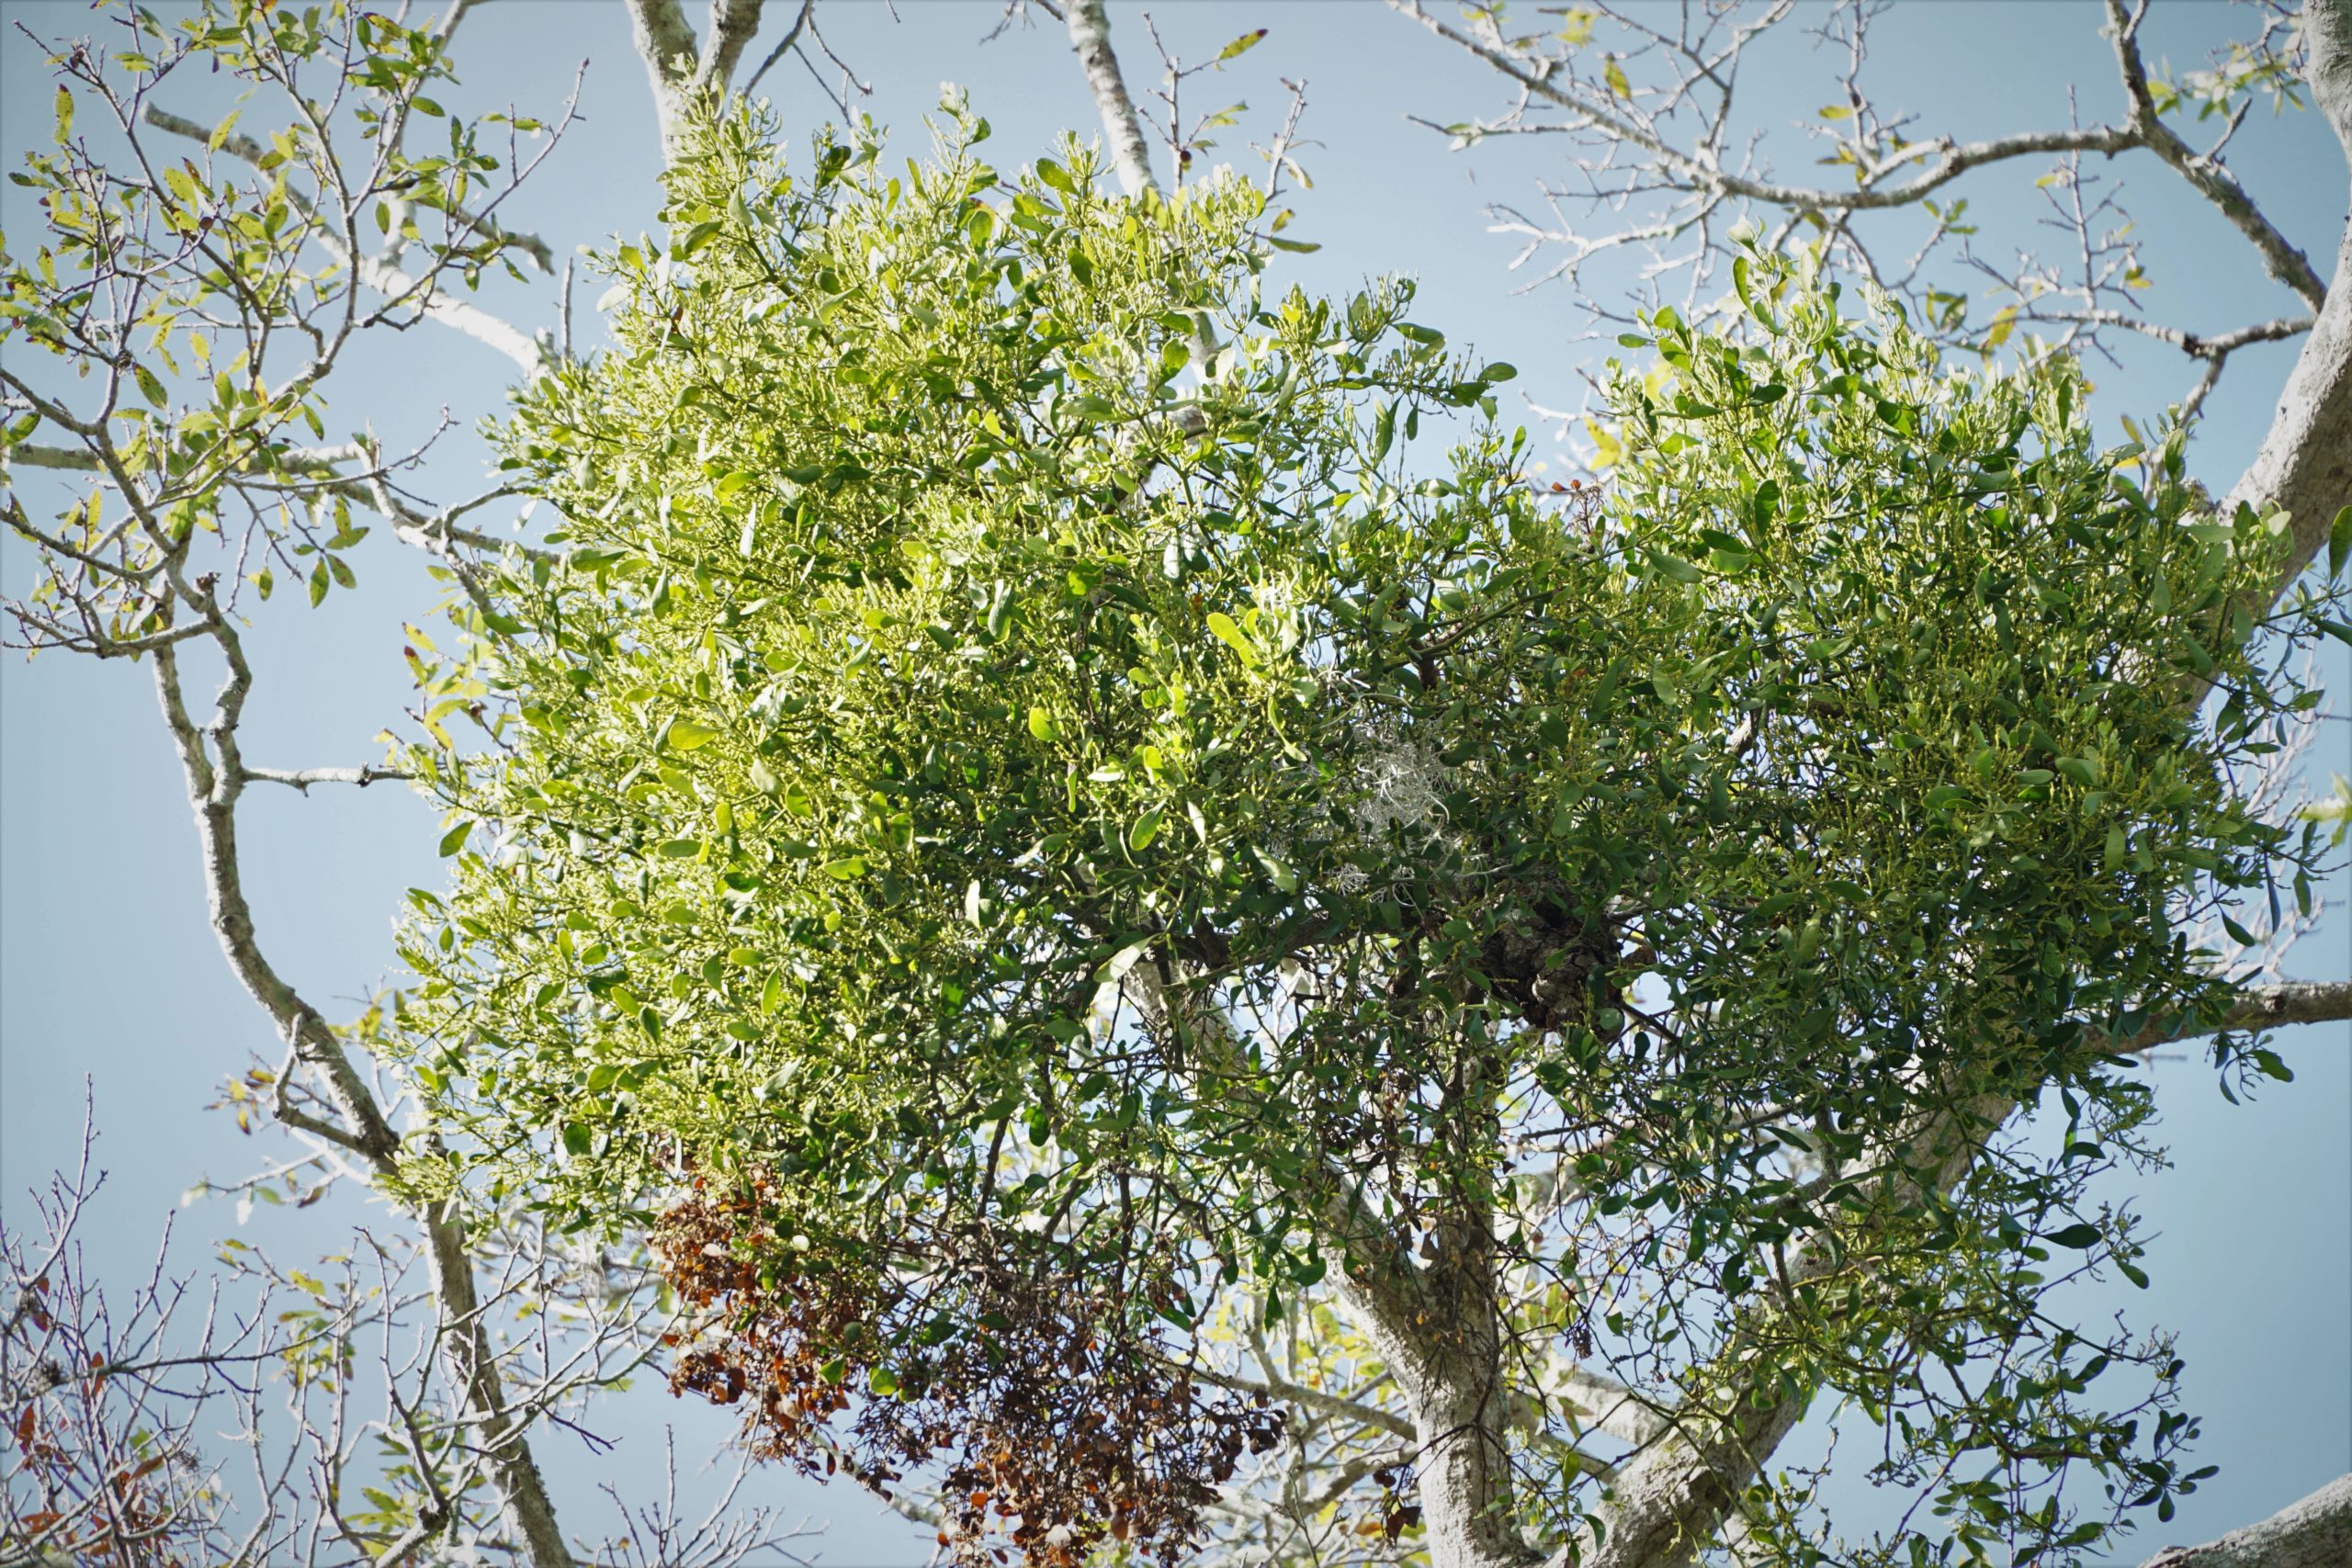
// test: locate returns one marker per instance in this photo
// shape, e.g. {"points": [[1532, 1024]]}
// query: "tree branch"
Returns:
{"points": [[732, 23], [1951, 159], [2314, 1533], [303, 778], [2208, 176], [2305, 463], [1089, 35], [374, 271], [683, 74], [2263, 1007]]}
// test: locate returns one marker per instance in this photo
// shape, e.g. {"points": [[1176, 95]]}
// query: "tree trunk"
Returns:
{"points": [[1441, 1336]]}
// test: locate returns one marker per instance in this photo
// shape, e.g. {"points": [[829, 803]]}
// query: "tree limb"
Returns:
{"points": [[1951, 159], [2264, 1007], [2305, 462], [2209, 176], [1089, 35], [374, 271], [683, 73], [215, 777], [2314, 1533]]}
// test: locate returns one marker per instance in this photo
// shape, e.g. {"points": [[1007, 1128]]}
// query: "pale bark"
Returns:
{"points": [[425, 295], [1090, 34], [2305, 463], [2314, 1533], [1441, 1335], [683, 74], [215, 776]]}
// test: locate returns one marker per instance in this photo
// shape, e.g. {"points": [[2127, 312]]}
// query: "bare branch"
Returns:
{"points": [[2206, 173], [2314, 1533], [379, 274], [303, 778], [791, 38], [1089, 35]]}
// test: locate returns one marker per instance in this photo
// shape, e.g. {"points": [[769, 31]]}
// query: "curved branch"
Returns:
{"points": [[1312, 1399], [1951, 159], [378, 274], [2208, 174], [2305, 463]]}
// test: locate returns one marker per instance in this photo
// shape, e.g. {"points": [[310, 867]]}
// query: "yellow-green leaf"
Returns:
{"points": [[686, 735], [1242, 45], [1226, 632], [1607, 451]]}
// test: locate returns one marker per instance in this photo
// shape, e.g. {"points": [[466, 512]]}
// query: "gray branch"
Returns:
{"points": [[2314, 1533]]}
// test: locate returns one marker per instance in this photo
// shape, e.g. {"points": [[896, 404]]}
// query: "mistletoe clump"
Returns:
{"points": [[1030, 750]]}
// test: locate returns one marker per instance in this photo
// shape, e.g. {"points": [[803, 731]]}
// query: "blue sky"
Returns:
{"points": [[107, 968]]}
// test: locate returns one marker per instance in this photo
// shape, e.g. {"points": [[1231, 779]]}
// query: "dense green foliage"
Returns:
{"points": [[1027, 800]]}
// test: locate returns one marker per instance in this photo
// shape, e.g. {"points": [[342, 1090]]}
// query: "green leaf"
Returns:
{"points": [[1145, 830], [1042, 725], [65, 115], [2078, 1237], [2339, 542], [454, 839], [849, 868], [1230, 634], [1675, 567], [1615, 73], [883, 1382], [688, 735], [1384, 433]]}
